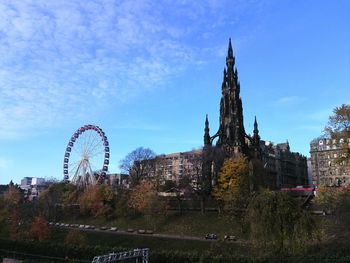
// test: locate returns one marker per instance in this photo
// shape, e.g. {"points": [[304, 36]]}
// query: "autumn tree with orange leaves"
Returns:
{"points": [[98, 201], [338, 128], [12, 197], [39, 229], [144, 198]]}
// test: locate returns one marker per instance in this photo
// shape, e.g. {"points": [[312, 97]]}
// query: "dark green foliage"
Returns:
{"points": [[53, 200], [277, 222]]}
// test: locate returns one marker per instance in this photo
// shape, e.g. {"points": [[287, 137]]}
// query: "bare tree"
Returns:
{"points": [[138, 164]]}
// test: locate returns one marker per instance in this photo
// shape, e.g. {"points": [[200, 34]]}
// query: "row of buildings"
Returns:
{"points": [[284, 167]]}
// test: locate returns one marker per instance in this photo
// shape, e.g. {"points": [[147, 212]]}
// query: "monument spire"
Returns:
{"points": [[231, 129], [207, 141], [256, 137]]}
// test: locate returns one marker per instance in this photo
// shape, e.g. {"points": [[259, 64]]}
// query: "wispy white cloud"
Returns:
{"points": [[59, 57], [288, 101]]}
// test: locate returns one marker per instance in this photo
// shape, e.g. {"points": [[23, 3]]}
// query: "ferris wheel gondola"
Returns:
{"points": [[86, 157]]}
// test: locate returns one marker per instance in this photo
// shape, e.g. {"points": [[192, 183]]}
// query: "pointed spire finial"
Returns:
{"points": [[230, 60], [206, 132], [256, 137], [230, 52]]}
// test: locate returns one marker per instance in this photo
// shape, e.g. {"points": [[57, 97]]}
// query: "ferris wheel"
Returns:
{"points": [[86, 158]]}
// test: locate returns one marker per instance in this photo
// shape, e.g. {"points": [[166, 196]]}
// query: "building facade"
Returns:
{"points": [[288, 168], [118, 180], [285, 168], [327, 167], [32, 187], [176, 166]]}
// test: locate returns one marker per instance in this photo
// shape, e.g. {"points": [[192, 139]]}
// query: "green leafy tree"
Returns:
{"points": [[328, 197], [55, 198], [277, 221], [76, 238], [15, 226], [3, 216]]}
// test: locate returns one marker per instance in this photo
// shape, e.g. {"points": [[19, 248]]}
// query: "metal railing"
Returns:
{"points": [[115, 257]]}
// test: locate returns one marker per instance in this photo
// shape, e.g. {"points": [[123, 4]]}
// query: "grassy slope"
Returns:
{"points": [[190, 223]]}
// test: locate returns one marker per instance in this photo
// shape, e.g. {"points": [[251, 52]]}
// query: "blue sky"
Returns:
{"points": [[147, 72]]}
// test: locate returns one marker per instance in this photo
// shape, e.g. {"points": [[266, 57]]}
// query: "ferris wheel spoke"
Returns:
{"points": [[93, 141], [95, 149], [76, 172], [74, 167], [74, 163], [82, 142], [94, 144], [86, 142], [97, 153], [75, 150], [79, 148]]}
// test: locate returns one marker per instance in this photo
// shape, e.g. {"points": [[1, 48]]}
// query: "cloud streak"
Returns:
{"points": [[288, 101], [59, 57]]}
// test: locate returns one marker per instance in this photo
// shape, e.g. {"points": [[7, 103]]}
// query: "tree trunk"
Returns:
{"points": [[202, 204]]}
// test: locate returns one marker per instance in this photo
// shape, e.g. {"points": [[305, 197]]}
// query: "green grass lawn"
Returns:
{"points": [[139, 241], [189, 224]]}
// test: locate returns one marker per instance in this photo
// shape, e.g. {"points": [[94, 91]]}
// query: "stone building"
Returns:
{"points": [[289, 168], [327, 168], [176, 166], [32, 187], [118, 180], [285, 168]]}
